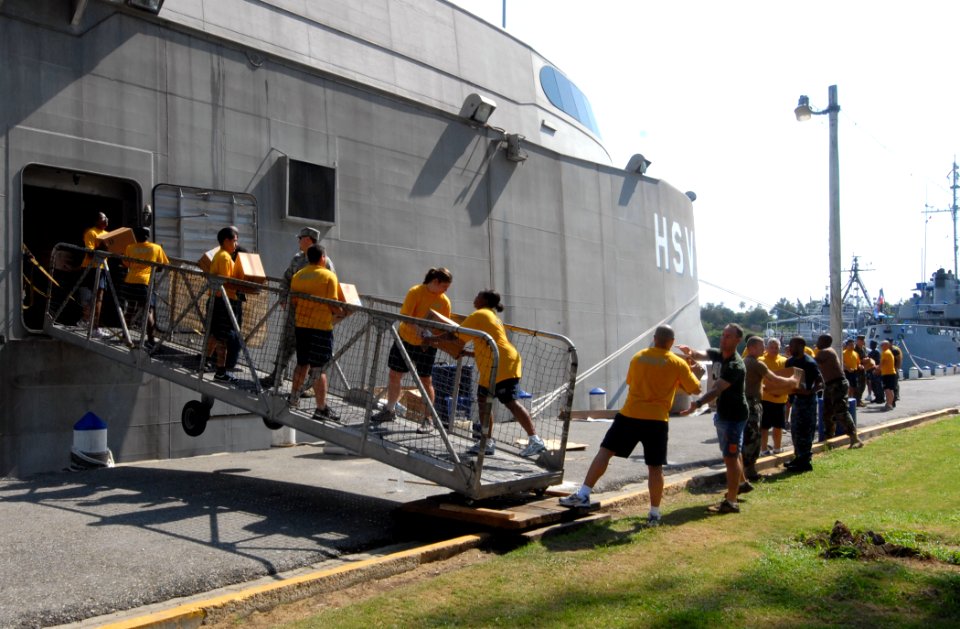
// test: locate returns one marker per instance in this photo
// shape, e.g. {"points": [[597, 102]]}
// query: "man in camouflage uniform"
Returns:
{"points": [[836, 408]]}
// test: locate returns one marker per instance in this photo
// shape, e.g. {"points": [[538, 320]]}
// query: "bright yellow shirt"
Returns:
{"points": [[148, 251], [418, 303], [653, 378], [318, 281], [887, 367], [851, 360], [773, 363], [510, 365], [90, 242], [224, 266]]}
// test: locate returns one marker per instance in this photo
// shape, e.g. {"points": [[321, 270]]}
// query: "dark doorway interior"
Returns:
{"points": [[58, 206]]}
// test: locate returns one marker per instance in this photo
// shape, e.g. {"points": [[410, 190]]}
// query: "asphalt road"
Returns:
{"points": [[76, 545]]}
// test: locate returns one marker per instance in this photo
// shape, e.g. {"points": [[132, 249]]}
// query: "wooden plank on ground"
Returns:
{"points": [[519, 516]]}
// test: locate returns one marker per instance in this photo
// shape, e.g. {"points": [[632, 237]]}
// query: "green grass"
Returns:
{"points": [[746, 570]]}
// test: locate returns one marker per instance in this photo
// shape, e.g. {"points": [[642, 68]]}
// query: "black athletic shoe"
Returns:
{"points": [[224, 377], [382, 417], [326, 413], [799, 466]]}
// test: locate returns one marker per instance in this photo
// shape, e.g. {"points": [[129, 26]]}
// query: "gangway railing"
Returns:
{"points": [[429, 439]]}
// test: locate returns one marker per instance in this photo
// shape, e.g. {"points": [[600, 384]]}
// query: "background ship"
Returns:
{"points": [[927, 327], [411, 133]]}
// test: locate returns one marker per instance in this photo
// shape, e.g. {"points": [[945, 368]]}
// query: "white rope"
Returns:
{"points": [[540, 403], [89, 461]]}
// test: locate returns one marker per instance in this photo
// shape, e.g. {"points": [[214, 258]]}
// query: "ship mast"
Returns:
{"points": [[954, 186], [953, 213]]}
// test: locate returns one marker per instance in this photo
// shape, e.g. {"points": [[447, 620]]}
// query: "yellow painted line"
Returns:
{"points": [[192, 613]]}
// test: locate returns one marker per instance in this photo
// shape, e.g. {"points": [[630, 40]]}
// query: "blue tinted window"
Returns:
{"points": [[567, 97]]}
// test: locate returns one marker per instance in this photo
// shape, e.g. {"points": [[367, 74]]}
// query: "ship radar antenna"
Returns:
{"points": [[954, 176]]}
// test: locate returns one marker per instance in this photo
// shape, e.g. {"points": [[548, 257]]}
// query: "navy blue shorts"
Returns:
{"points": [[506, 391], [134, 292], [626, 432], [314, 347], [423, 357]]}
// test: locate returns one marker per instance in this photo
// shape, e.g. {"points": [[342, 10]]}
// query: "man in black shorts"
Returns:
{"points": [[653, 378]]}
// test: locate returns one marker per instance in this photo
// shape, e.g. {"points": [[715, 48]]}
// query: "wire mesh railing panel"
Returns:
{"points": [[240, 341]]}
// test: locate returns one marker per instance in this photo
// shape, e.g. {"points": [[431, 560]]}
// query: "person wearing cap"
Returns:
{"points": [[306, 238], [137, 283]]}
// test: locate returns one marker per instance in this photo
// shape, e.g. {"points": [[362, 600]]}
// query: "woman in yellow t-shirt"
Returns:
{"points": [[420, 300], [506, 387]]}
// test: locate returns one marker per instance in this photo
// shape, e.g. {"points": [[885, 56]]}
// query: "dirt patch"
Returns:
{"points": [[842, 543]]}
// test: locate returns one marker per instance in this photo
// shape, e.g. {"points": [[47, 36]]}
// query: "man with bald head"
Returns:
{"points": [[653, 378]]}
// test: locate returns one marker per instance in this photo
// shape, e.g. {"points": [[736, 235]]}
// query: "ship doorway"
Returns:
{"points": [[58, 205]]}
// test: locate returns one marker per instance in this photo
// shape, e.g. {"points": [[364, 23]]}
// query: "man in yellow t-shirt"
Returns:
{"points": [[224, 340], [851, 367], [137, 283], [314, 328], [653, 378], [91, 291], [774, 406], [888, 374]]}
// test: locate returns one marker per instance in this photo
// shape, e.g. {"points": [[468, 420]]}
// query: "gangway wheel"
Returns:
{"points": [[194, 417], [271, 424]]}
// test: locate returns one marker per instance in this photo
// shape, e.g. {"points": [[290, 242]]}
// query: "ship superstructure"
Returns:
{"points": [[409, 132]]}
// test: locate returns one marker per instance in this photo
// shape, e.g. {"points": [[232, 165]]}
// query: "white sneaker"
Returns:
{"points": [[100, 333], [575, 500], [534, 447]]}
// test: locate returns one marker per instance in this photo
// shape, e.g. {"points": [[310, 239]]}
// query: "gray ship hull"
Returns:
{"points": [[98, 114]]}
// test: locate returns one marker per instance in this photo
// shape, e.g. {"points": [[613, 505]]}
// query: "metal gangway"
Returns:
{"points": [[428, 439]]}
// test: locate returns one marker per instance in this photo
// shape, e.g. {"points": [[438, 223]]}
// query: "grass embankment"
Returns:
{"points": [[702, 570]]}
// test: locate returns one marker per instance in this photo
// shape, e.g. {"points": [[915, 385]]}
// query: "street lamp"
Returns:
{"points": [[804, 112]]}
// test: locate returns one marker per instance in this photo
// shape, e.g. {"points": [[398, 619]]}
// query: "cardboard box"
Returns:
{"points": [[454, 319], [116, 241], [349, 294], [454, 347], [794, 373], [252, 268], [416, 407], [207, 259]]}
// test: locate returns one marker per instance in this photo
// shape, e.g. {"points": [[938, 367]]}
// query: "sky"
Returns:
{"points": [[706, 91]]}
